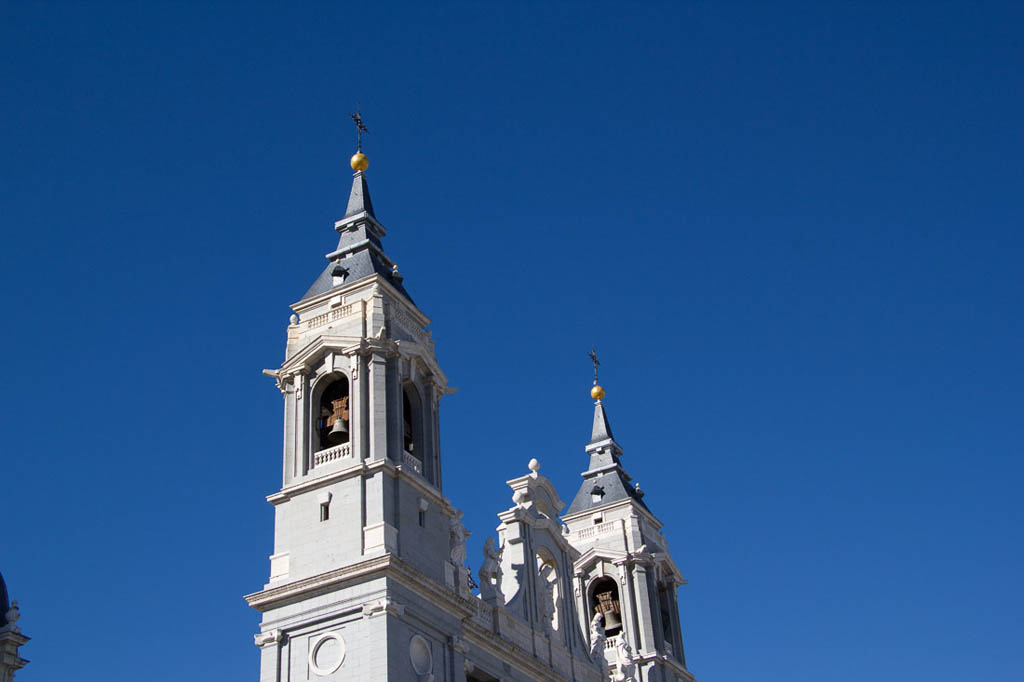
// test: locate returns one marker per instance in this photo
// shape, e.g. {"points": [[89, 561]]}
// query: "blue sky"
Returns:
{"points": [[793, 232]]}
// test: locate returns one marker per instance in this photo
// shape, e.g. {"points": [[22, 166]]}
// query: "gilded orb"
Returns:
{"points": [[359, 162], [596, 392]]}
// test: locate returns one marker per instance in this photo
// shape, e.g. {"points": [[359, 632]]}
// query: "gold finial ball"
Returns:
{"points": [[359, 162], [596, 392]]}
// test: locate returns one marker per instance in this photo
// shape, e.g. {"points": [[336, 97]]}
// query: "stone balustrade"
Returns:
{"points": [[598, 530], [411, 462], [322, 457], [328, 317], [611, 650]]}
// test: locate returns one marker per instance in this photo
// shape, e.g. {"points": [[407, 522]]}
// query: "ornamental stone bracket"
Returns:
{"points": [[382, 605], [262, 639], [458, 645]]}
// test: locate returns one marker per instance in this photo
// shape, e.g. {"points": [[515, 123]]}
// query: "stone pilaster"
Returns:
{"points": [[377, 430], [642, 593], [10, 662]]}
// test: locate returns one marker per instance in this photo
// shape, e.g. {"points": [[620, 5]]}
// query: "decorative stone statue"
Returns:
{"points": [[625, 668], [597, 636], [457, 540], [546, 597], [12, 616], [490, 573]]}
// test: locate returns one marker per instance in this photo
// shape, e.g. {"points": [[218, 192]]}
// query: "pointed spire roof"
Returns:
{"points": [[605, 482], [359, 198], [602, 429], [360, 253]]}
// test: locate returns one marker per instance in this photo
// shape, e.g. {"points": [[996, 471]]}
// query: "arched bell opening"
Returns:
{"points": [[412, 422], [332, 425], [603, 597], [665, 603]]}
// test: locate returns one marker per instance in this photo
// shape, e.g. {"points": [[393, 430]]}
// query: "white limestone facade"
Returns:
{"points": [[368, 577]]}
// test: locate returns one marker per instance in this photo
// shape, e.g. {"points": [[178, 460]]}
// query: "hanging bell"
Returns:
{"points": [[339, 422], [338, 433]]}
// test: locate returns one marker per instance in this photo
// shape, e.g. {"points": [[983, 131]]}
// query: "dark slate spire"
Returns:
{"points": [[360, 253], [4, 602], [359, 198], [602, 429], [605, 482]]}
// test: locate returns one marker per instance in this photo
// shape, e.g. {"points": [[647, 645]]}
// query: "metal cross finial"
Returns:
{"points": [[593, 358], [360, 129]]}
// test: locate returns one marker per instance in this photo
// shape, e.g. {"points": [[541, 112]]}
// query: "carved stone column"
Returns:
{"points": [[644, 602], [356, 407], [377, 406], [304, 414]]}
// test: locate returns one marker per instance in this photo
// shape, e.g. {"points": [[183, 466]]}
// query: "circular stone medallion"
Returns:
{"points": [[419, 654], [327, 653]]}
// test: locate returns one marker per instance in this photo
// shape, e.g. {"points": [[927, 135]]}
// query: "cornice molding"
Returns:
{"points": [[363, 468]]}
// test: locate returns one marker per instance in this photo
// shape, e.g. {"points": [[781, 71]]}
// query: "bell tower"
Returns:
{"points": [[624, 571], [361, 497]]}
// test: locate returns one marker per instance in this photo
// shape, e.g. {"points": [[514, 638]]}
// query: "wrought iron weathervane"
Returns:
{"points": [[360, 129], [593, 358]]}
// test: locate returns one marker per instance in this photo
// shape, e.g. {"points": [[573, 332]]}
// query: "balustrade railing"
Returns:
{"points": [[328, 317], [411, 462], [600, 529], [330, 454]]}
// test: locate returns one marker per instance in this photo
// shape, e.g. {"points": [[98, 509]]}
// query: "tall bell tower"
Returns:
{"points": [[624, 570], [361, 498]]}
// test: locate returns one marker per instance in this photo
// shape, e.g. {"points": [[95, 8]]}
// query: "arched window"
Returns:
{"points": [[408, 442], [332, 419], [665, 604], [604, 597], [549, 594], [412, 422]]}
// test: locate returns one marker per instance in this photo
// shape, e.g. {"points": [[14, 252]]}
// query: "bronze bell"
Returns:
{"points": [[339, 431]]}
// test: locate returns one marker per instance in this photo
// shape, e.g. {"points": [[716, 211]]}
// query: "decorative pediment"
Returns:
{"points": [[536, 493], [595, 555], [662, 560]]}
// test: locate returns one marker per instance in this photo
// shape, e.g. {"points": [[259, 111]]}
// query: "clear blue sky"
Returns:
{"points": [[793, 232]]}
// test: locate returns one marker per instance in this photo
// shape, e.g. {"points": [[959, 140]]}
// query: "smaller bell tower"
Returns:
{"points": [[624, 571]]}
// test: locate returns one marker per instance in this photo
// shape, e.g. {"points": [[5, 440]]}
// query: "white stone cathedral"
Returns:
{"points": [[369, 578], [11, 638]]}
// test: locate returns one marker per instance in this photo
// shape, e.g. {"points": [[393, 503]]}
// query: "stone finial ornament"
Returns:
{"points": [[534, 465]]}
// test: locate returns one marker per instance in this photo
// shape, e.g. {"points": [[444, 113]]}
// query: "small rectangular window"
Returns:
{"points": [[325, 511], [423, 518]]}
